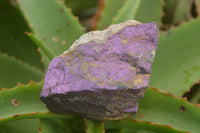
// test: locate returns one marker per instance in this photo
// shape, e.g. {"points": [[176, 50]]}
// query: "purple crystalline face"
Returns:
{"points": [[104, 74]]}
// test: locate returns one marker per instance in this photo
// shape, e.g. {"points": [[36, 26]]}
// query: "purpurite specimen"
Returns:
{"points": [[104, 73]]}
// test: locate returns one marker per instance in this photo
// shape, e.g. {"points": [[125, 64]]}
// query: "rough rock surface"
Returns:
{"points": [[104, 73]]}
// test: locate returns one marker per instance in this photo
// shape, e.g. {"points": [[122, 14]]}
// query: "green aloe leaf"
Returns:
{"points": [[46, 50], [177, 11], [129, 126], [182, 11], [127, 12], [51, 126], [144, 11], [53, 24], [13, 40], [117, 131], [177, 62], [21, 100], [94, 126], [150, 10], [19, 59], [24, 101], [163, 108], [193, 94], [75, 125], [70, 125], [78, 8], [196, 97], [169, 9], [197, 3], [107, 11], [20, 126], [13, 71]]}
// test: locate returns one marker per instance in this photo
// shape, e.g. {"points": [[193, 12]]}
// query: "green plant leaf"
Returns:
{"points": [[54, 24], [177, 11], [107, 11], [196, 97], [13, 71], [94, 126], [70, 125], [163, 108], [20, 100], [145, 12], [75, 125], [78, 8], [13, 40], [177, 62], [193, 94], [197, 3], [20, 126], [128, 11], [47, 51], [51, 126], [129, 126], [24, 101], [150, 11], [117, 131], [169, 10]]}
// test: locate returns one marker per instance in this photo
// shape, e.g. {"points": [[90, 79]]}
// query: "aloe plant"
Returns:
{"points": [[35, 31]]}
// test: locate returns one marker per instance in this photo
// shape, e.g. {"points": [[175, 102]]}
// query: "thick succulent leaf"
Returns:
{"points": [[13, 71], [196, 97], [20, 100], [117, 131], [54, 24], [62, 126], [74, 125], [163, 108], [128, 11], [183, 11], [13, 40], [51, 126], [45, 59], [20, 126], [177, 11], [137, 131], [193, 94], [46, 51], [150, 11], [24, 101], [129, 126], [145, 12], [94, 126], [107, 11], [197, 3], [77, 6], [176, 65], [169, 10]]}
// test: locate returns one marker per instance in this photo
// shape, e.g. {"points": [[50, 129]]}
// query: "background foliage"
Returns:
{"points": [[33, 32]]}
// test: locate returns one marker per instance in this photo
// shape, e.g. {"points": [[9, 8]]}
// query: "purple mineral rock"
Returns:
{"points": [[104, 73]]}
